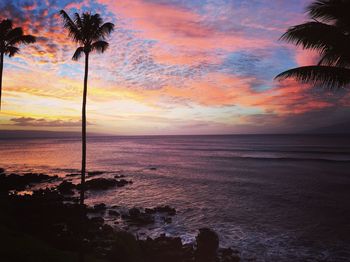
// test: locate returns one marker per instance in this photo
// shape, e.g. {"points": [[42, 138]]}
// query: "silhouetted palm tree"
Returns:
{"points": [[329, 34], [90, 33], [10, 39]]}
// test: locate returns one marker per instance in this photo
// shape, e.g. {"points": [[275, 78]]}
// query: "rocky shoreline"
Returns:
{"points": [[54, 216]]}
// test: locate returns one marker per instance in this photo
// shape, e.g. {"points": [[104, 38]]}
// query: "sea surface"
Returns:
{"points": [[273, 198]]}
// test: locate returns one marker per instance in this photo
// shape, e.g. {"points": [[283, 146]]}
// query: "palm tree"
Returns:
{"points": [[90, 33], [329, 34], [10, 39]]}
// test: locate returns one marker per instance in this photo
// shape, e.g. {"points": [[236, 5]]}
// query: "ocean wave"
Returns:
{"points": [[286, 159]]}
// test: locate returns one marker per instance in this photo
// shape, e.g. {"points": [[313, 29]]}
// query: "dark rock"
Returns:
{"points": [[228, 255], [161, 209], [95, 173], [166, 209], [150, 211], [72, 175], [2, 170], [97, 220], [136, 217], [163, 249], [66, 188], [21, 182], [123, 182], [119, 176], [99, 207], [167, 220], [113, 213], [107, 229], [207, 245], [103, 183], [153, 168], [134, 212]]}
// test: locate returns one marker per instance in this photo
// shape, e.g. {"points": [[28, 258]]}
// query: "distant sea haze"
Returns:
{"points": [[274, 198]]}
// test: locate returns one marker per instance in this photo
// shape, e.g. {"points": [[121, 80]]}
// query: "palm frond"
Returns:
{"points": [[324, 76], [78, 53], [23, 39], [77, 20], [28, 39], [5, 26], [72, 28], [92, 32], [11, 51], [335, 58], [330, 11], [99, 46], [14, 33], [105, 30], [97, 20], [316, 36]]}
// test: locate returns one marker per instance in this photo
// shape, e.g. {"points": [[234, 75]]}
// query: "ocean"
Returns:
{"points": [[272, 197]]}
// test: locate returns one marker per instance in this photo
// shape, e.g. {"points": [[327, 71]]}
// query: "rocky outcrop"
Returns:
{"points": [[66, 188], [21, 182], [104, 183], [136, 217]]}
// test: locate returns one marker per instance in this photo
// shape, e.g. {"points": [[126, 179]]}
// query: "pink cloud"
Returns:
{"points": [[179, 30], [306, 57]]}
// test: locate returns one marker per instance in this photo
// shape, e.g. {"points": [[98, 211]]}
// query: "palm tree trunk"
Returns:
{"points": [[83, 129], [1, 68]]}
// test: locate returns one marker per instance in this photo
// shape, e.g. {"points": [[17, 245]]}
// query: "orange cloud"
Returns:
{"points": [[291, 97]]}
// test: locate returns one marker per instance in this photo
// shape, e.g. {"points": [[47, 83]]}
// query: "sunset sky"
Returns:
{"points": [[173, 67]]}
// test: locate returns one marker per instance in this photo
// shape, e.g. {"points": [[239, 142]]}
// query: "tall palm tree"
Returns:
{"points": [[329, 34], [10, 39], [90, 33]]}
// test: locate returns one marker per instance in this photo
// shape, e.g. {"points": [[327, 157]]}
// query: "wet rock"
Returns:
{"points": [[136, 217], [163, 249], [161, 209], [103, 183], [66, 188], [228, 255], [122, 182], [73, 175], [166, 209], [134, 212], [107, 229], [150, 211], [99, 207], [167, 220], [97, 220], [21, 182], [207, 245], [113, 213], [95, 173]]}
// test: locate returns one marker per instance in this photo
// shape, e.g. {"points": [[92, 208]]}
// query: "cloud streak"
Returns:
{"points": [[41, 122]]}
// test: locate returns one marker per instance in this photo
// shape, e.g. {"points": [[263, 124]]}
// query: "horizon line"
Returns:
{"points": [[37, 134]]}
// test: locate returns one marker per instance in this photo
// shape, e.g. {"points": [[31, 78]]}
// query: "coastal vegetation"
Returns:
{"points": [[328, 33], [90, 32], [10, 40]]}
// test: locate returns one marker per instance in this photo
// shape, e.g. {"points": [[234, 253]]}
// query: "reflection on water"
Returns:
{"points": [[273, 197]]}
